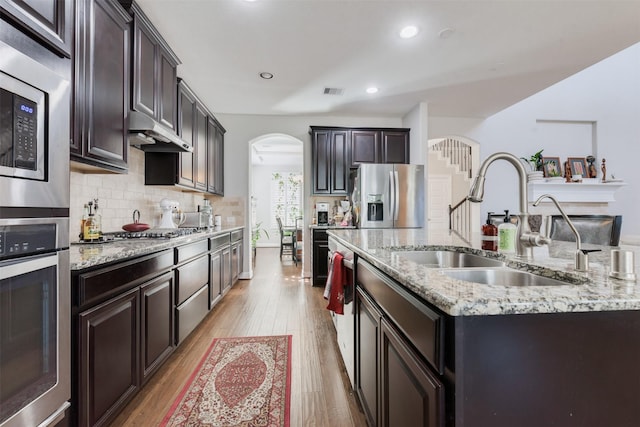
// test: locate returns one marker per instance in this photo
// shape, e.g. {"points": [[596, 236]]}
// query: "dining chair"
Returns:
{"points": [[287, 241]]}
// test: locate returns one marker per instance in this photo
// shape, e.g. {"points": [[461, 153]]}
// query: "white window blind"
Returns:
{"points": [[286, 198]]}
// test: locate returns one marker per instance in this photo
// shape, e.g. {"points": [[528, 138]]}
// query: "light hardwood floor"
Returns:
{"points": [[275, 302]]}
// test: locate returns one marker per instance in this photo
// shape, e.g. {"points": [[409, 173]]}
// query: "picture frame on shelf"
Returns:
{"points": [[551, 167], [578, 166]]}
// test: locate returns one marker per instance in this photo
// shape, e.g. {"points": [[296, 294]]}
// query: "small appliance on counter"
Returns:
{"points": [[206, 210], [322, 211], [199, 220], [172, 216]]}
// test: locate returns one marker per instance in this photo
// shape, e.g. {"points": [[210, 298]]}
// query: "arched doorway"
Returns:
{"points": [[275, 181]]}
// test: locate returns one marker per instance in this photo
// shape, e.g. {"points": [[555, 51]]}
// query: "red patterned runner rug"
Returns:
{"points": [[243, 381]]}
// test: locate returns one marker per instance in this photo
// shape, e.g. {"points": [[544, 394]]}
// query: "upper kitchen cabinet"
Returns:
{"points": [[200, 170], [379, 146], [49, 22], [215, 157], [101, 86], [330, 153], [154, 71]]}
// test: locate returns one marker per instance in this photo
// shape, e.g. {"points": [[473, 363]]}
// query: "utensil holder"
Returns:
{"points": [[623, 264]]}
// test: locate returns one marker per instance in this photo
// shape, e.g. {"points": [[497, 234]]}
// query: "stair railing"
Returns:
{"points": [[459, 219], [457, 152]]}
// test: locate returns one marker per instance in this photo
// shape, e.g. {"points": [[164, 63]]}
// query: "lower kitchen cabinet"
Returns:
{"points": [[217, 245], [236, 255], [156, 323], [192, 287], [367, 343], [398, 352], [108, 358], [409, 393], [320, 257], [226, 270]]}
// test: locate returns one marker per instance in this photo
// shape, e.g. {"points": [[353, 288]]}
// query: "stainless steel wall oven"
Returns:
{"points": [[35, 382]]}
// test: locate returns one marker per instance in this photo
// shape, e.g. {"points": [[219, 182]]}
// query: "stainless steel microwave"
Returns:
{"points": [[22, 124], [35, 111]]}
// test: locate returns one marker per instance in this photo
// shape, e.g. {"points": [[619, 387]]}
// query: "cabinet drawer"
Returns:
{"points": [[95, 286], [186, 252], [236, 235], [190, 277], [421, 325], [219, 242], [191, 313]]}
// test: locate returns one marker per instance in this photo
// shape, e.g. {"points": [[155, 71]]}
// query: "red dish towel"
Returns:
{"points": [[339, 279]]}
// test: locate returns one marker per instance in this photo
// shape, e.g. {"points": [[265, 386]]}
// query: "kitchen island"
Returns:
{"points": [[438, 351]]}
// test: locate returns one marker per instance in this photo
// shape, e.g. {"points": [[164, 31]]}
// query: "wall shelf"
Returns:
{"points": [[576, 192]]}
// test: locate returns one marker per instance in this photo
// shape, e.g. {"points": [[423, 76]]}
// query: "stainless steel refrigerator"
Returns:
{"points": [[389, 196]]}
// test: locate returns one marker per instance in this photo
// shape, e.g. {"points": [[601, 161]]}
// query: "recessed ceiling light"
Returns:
{"points": [[372, 90], [266, 75], [409, 31]]}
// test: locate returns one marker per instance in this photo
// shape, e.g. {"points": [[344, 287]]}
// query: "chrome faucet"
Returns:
{"points": [[582, 255], [526, 239]]}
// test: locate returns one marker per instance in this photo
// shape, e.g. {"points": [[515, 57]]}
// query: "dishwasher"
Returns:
{"points": [[345, 323]]}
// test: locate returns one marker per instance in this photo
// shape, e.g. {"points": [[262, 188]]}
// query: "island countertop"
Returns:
{"points": [[584, 292]]}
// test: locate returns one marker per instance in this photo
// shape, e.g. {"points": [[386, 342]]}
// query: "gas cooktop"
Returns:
{"points": [[153, 233]]}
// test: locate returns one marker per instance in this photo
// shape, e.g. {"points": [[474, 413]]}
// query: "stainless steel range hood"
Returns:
{"points": [[148, 135]]}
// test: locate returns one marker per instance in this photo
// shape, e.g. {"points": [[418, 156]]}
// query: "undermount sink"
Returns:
{"points": [[448, 259], [502, 277]]}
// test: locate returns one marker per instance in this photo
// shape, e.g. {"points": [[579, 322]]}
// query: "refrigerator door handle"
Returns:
{"points": [[396, 199], [392, 195]]}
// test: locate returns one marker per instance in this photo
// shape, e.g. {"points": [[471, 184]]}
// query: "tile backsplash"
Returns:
{"points": [[119, 195]]}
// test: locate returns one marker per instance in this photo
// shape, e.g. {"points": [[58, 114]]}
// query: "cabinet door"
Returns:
{"points": [[395, 147], [340, 162], [215, 154], [236, 261], [144, 68], [219, 148], [410, 394], [167, 89], [186, 110], [102, 85], [226, 270], [320, 258], [200, 152], [365, 147], [108, 358], [215, 278], [321, 154], [367, 336], [50, 22], [156, 324]]}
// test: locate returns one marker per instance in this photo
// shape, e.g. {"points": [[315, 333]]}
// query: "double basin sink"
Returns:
{"points": [[475, 268]]}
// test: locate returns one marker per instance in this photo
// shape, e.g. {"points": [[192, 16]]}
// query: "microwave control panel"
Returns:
{"points": [[21, 240]]}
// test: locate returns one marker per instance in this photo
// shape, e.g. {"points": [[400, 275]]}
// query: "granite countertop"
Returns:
{"points": [[331, 227], [85, 255], [584, 292]]}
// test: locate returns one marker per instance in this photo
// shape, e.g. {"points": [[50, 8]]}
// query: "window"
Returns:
{"points": [[286, 197]]}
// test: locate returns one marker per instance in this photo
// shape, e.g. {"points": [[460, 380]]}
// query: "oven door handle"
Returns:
{"points": [[19, 267]]}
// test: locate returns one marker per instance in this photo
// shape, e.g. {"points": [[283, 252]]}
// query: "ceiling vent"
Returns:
{"points": [[333, 91]]}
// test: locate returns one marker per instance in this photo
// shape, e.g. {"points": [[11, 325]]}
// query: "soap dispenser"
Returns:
{"points": [[489, 235], [507, 235]]}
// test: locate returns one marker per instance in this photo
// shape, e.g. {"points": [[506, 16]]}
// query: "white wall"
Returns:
{"points": [[607, 93], [243, 128]]}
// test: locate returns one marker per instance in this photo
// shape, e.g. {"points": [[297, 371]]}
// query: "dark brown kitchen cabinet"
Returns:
{"points": [[192, 287], [320, 257], [156, 324], [226, 270], [215, 157], [236, 255], [404, 374], [201, 150], [154, 71], [379, 146], [186, 113], [49, 22], [399, 353], [109, 354], [101, 86], [367, 320], [330, 155], [217, 246]]}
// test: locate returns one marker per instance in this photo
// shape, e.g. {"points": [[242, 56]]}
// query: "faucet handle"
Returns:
{"points": [[534, 239]]}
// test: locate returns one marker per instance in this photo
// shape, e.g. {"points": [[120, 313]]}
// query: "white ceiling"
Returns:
{"points": [[491, 55]]}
